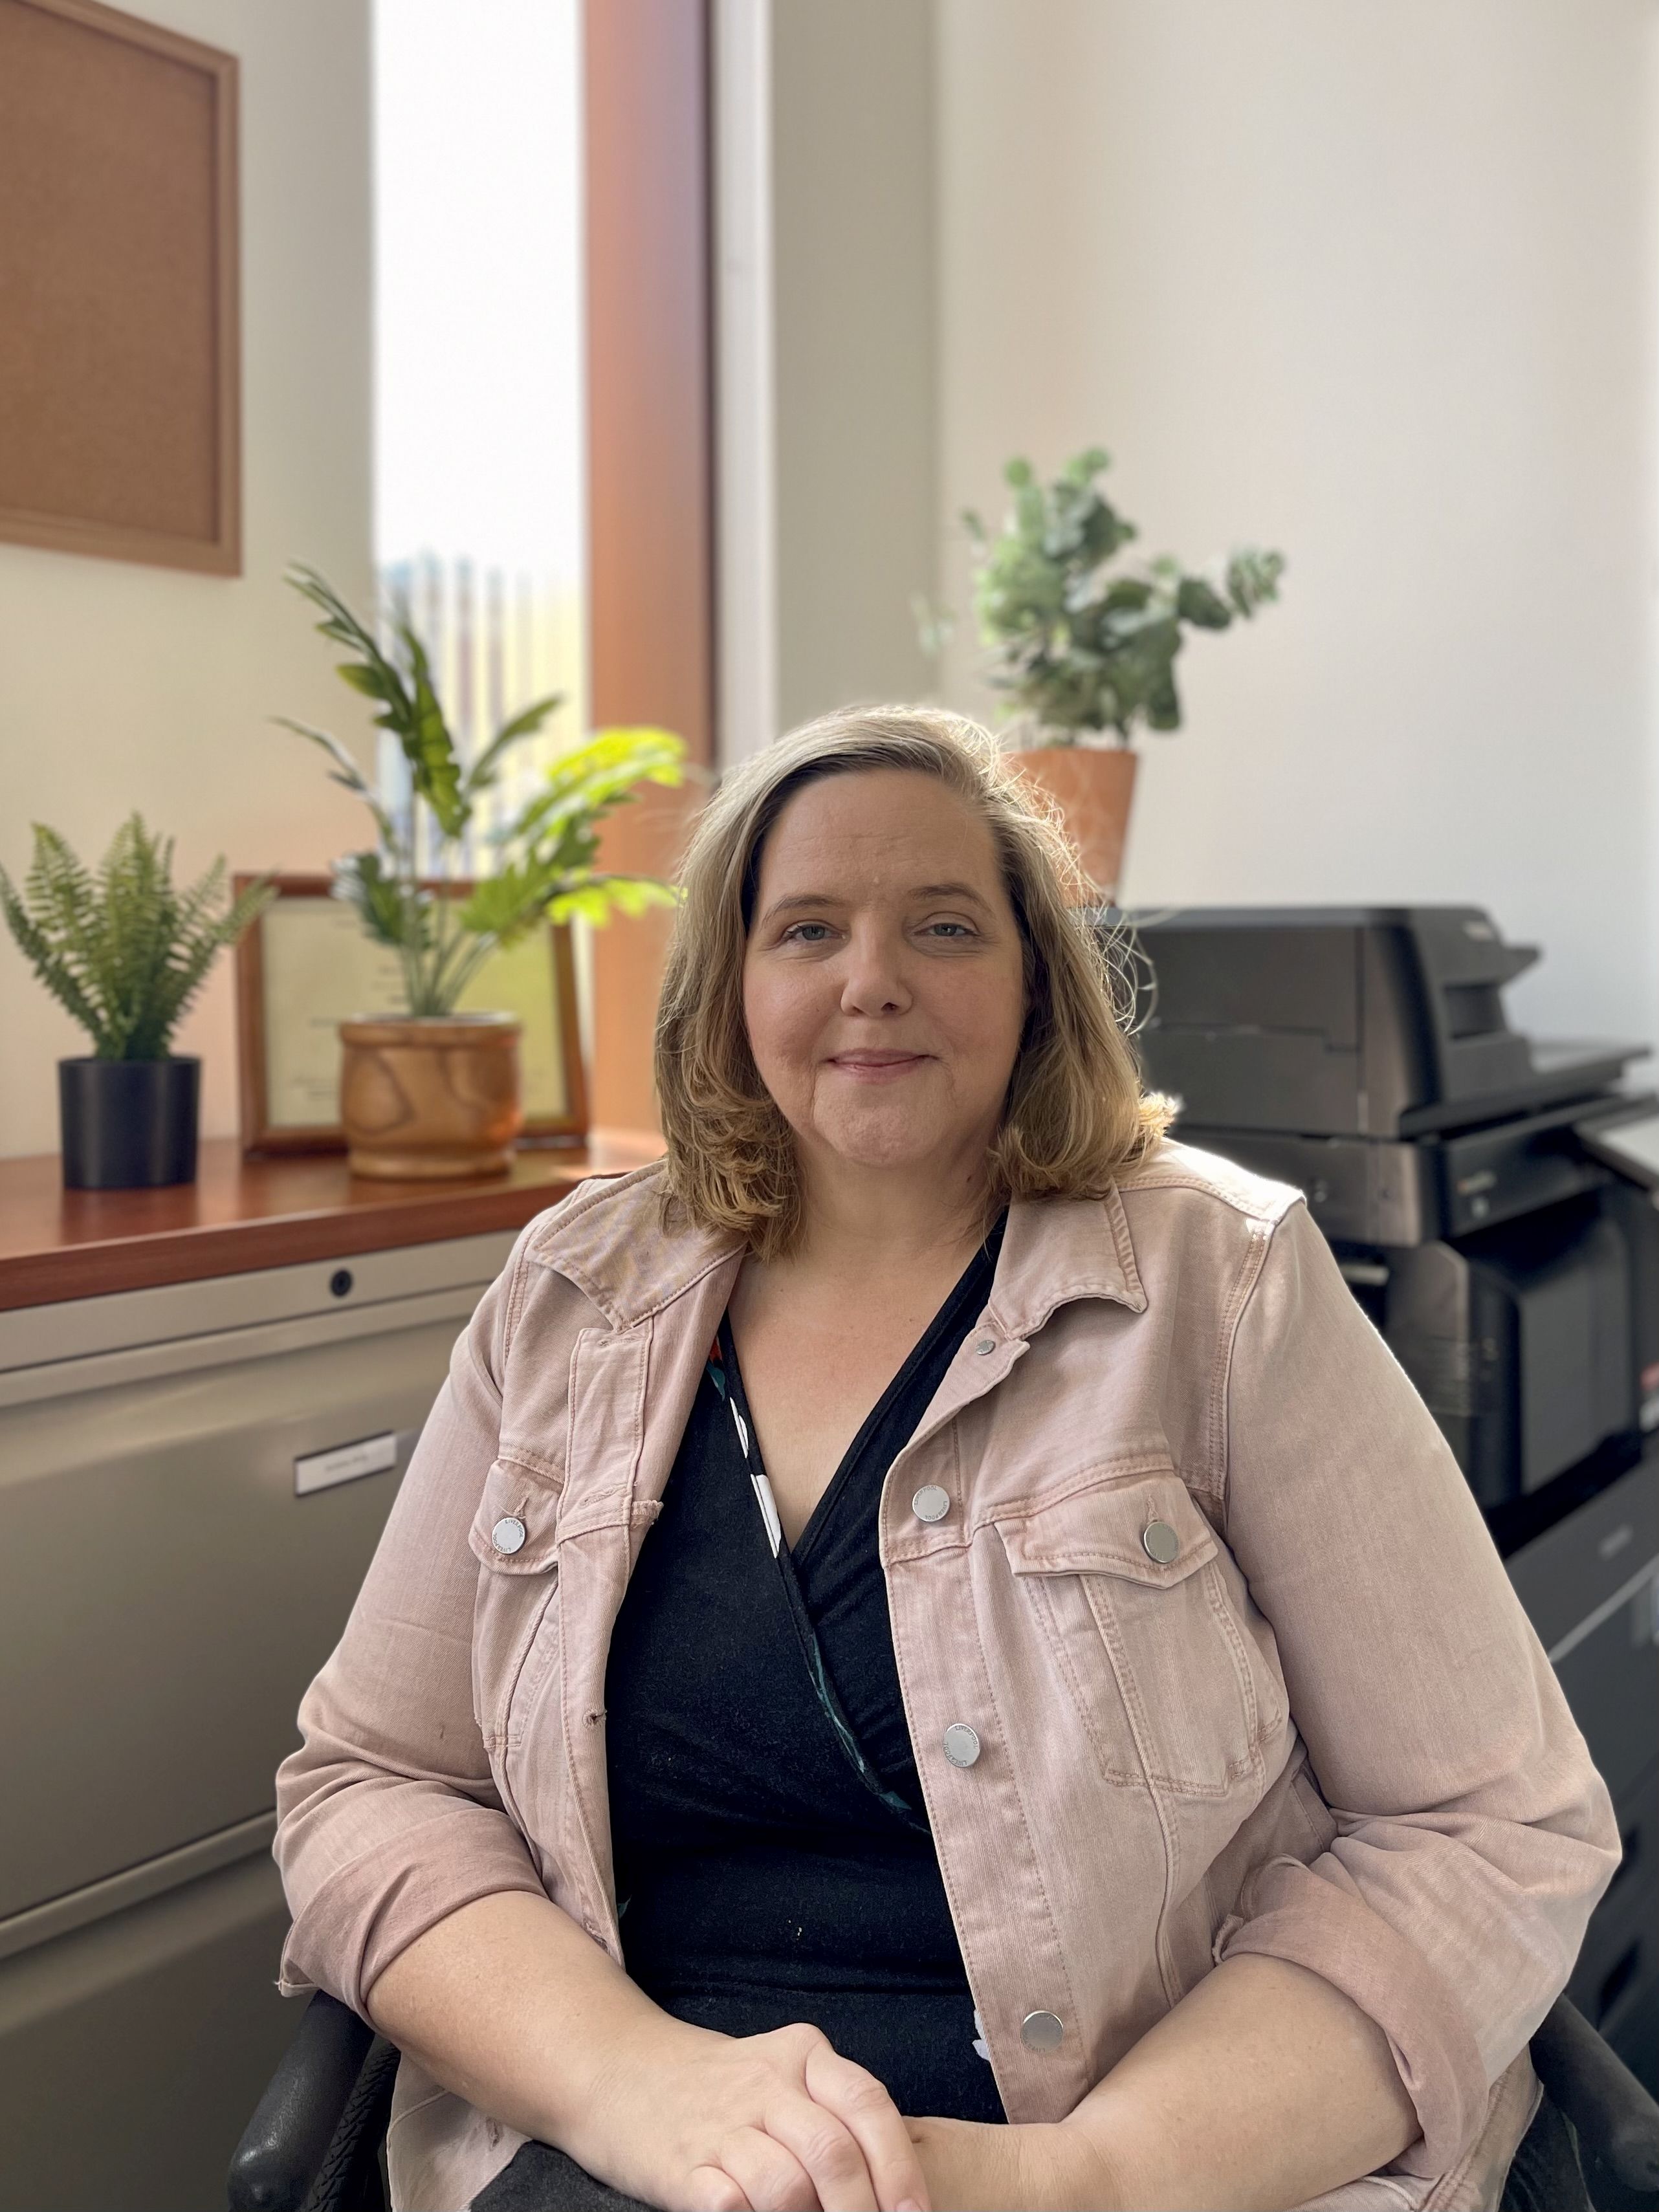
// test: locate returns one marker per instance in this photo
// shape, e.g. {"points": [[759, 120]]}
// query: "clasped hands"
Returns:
{"points": [[782, 2123]]}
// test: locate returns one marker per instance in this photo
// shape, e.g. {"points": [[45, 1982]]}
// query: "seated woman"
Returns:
{"points": [[928, 1655]]}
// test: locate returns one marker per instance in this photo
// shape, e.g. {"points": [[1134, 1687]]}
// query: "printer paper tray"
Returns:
{"points": [[1363, 1190]]}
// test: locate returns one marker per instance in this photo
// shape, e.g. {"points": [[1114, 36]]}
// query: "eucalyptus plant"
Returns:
{"points": [[121, 947], [1080, 646], [542, 859]]}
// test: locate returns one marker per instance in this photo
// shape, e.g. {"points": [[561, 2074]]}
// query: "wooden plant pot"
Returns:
{"points": [[1093, 785], [430, 1096]]}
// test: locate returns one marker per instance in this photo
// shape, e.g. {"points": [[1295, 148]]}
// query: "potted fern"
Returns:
{"points": [[125, 952], [1086, 651], [434, 1091]]}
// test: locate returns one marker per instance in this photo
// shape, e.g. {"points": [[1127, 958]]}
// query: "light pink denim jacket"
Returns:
{"points": [[1324, 1730]]}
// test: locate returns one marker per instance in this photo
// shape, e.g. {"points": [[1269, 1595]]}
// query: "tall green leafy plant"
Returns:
{"points": [[121, 948], [1077, 644], [543, 860]]}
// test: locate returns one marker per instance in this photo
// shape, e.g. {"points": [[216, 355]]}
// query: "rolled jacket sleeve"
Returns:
{"points": [[388, 1819], [1474, 1835]]}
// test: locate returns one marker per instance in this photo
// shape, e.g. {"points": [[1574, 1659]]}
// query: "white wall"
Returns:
{"points": [[124, 686], [1371, 281]]}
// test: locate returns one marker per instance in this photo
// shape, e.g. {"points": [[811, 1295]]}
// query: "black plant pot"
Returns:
{"points": [[128, 1124]]}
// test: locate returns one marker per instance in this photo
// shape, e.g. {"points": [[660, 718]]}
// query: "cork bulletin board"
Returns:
{"points": [[120, 370]]}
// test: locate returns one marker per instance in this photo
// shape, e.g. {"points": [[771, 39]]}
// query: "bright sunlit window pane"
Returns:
{"points": [[479, 518]]}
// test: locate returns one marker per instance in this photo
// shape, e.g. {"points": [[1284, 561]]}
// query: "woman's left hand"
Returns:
{"points": [[1034, 2167]]}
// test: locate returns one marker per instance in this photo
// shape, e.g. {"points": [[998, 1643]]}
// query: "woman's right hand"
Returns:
{"points": [[696, 2122]]}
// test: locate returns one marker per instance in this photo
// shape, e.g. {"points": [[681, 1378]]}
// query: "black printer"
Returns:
{"points": [[1488, 1196], [1490, 1201]]}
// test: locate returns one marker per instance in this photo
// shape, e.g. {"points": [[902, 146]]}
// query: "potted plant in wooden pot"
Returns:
{"points": [[125, 952], [434, 1092], [1086, 651]]}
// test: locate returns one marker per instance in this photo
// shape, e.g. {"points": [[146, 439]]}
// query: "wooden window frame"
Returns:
{"points": [[651, 468]]}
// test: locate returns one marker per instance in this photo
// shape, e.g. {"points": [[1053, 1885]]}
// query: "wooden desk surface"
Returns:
{"points": [[240, 1214]]}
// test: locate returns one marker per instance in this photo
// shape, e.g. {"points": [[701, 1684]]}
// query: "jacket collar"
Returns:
{"points": [[610, 1241], [1056, 1249]]}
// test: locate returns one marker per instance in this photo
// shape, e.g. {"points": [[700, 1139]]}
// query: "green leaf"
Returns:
{"points": [[393, 912], [365, 679], [586, 783], [505, 904], [595, 900], [1163, 704], [1203, 606], [1253, 579], [482, 773], [428, 747]]}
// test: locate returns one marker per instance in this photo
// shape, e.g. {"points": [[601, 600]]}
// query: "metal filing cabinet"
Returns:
{"points": [[1590, 1586], [192, 1479]]}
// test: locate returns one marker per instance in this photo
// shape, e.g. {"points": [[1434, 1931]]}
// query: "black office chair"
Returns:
{"points": [[316, 2136], [314, 2144]]}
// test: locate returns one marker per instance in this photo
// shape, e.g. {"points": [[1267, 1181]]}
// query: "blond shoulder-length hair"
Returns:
{"points": [[1075, 1114]]}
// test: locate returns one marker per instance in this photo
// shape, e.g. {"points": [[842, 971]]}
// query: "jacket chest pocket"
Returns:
{"points": [[514, 1622], [1127, 1583]]}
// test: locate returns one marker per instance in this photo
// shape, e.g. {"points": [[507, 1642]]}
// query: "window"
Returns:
{"points": [[479, 517]]}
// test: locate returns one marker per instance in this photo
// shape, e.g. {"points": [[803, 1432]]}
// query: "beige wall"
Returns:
{"points": [[125, 687], [1372, 281], [855, 273]]}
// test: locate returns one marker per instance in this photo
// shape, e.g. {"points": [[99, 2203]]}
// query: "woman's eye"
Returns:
{"points": [[949, 929], [807, 932]]}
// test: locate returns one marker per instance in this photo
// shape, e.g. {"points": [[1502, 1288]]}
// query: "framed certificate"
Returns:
{"points": [[307, 964]]}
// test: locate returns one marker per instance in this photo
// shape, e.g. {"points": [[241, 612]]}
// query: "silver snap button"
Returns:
{"points": [[961, 1744], [1159, 1542], [986, 1343], [1041, 2031], [508, 1535], [931, 1502]]}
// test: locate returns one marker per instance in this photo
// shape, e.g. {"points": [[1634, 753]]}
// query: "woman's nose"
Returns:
{"points": [[873, 980]]}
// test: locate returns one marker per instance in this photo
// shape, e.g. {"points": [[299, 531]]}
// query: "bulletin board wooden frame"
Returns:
{"points": [[120, 374], [263, 1134]]}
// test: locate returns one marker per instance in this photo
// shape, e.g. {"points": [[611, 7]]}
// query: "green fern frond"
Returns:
{"points": [[121, 948]]}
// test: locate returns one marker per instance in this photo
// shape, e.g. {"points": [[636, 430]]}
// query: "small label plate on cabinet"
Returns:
{"points": [[345, 1463]]}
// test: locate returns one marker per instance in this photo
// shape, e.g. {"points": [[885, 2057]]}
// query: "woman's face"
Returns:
{"points": [[883, 981]]}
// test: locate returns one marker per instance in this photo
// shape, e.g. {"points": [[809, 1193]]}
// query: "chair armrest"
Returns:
{"points": [[285, 2143], [1615, 2118]]}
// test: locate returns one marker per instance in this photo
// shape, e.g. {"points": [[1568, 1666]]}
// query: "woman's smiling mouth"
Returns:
{"points": [[873, 1067]]}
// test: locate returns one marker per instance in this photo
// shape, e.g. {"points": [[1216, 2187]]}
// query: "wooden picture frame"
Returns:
{"points": [[307, 963], [120, 376]]}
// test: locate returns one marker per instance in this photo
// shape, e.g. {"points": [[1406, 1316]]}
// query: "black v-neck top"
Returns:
{"points": [[772, 1857]]}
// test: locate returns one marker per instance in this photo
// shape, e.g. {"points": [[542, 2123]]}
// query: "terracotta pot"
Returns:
{"points": [[1093, 785], [430, 1096]]}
